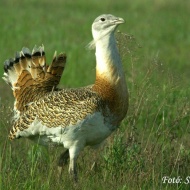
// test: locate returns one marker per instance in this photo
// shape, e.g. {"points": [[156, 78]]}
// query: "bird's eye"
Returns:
{"points": [[102, 19]]}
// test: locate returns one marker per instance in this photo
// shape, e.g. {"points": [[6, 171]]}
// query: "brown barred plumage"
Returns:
{"points": [[30, 77]]}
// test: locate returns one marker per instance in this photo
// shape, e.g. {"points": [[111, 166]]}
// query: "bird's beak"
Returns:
{"points": [[118, 21]]}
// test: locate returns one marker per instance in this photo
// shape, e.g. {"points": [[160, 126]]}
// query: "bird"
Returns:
{"points": [[69, 117]]}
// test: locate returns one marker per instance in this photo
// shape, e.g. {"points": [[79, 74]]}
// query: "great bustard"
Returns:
{"points": [[71, 117]]}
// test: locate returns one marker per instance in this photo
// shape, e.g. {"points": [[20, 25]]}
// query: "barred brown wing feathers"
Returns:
{"points": [[62, 108]]}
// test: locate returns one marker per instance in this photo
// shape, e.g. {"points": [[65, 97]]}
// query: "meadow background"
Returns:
{"points": [[153, 141]]}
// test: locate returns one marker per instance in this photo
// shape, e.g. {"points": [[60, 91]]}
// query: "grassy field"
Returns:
{"points": [[153, 141]]}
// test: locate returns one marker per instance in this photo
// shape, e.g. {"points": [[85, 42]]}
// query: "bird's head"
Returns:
{"points": [[105, 25]]}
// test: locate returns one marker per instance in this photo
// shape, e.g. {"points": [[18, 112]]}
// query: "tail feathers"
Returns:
{"points": [[29, 76], [25, 63], [38, 67], [55, 70]]}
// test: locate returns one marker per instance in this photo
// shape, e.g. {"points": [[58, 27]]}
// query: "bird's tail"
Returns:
{"points": [[29, 76]]}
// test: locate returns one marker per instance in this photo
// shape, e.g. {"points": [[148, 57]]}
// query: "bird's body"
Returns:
{"points": [[73, 118], [65, 117]]}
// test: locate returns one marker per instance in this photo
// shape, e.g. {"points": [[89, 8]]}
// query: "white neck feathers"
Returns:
{"points": [[108, 62]]}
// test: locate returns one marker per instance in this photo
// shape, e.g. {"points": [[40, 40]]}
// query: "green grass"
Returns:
{"points": [[153, 140]]}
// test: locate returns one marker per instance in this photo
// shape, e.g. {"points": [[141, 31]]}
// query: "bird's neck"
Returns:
{"points": [[108, 62], [110, 78]]}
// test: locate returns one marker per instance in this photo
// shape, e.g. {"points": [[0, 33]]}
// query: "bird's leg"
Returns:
{"points": [[73, 153], [63, 160], [72, 169]]}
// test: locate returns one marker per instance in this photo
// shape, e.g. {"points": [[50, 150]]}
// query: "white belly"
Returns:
{"points": [[90, 131]]}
